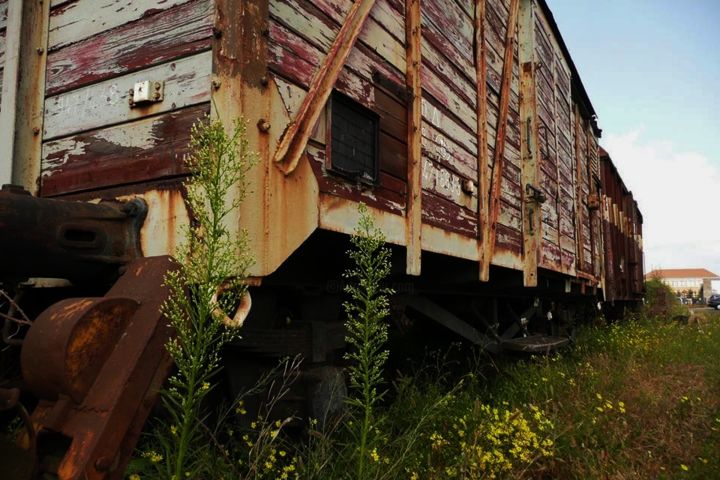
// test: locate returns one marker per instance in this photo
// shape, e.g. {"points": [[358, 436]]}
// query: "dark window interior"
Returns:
{"points": [[354, 140]]}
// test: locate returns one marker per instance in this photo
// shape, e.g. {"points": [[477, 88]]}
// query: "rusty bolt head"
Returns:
{"points": [[264, 81], [216, 84], [263, 125], [40, 51], [36, 131], [217, 33]]}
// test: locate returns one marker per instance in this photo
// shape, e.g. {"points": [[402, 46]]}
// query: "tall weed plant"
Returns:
{"points": [[367, 335], [207, 285]]}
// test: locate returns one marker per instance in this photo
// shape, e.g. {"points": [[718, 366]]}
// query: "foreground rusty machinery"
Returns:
{"points": [[93, 365]]}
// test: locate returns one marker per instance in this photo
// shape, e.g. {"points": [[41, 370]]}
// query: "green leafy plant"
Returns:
{"points": [[206, 285], [367, 333]]}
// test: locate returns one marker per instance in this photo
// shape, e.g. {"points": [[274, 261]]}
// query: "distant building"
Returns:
{"points": [[686, 281]]}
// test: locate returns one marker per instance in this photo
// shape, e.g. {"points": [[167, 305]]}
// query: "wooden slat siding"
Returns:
{"points": [[3, 13], [295, 138], [415, 167], [152, 40], [448, 116], [389, 195], [447, 215], [294, 57], [187, 83], [318, 25], [497, 171], [80, 19], [148, 149], [545, 49]]}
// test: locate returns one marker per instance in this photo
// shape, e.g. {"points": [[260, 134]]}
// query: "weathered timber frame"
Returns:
{"points": [[413, 37], [243, 88], [490, 230], [580, 260], [295, 138], [23, 98], [529, 148], [483, 169]]}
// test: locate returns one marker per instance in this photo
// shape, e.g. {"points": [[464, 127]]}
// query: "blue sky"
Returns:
{"points": [[652, 71]]}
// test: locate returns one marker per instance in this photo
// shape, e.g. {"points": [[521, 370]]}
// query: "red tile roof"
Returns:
{"points": [[681, 273]]}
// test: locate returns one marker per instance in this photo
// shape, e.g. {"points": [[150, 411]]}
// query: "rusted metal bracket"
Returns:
{"points": [[79, 241], [414, 198], [490, 230], [296, 136], [97, 365]]}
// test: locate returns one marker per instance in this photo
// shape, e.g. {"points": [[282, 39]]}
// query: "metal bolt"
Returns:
{"points": [[40, 51], [217, 33], [264, 81], [263, 125], [36, 131], [216, 84]]}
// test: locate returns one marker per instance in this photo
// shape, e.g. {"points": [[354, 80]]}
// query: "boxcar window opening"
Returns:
{"points": [[354, 140]]}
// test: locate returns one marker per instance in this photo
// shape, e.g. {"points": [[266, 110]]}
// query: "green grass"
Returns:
{"points": [[636, 399]]}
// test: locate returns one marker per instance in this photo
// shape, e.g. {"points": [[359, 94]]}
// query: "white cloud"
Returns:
{"points": [[679, 197]]}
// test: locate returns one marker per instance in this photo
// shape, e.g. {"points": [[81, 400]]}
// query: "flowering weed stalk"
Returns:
{"points": [[367, 334], [210, 260]]}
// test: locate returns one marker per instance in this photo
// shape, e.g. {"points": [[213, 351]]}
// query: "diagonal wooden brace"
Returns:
{"points": [[490, 230], [294, 140]]}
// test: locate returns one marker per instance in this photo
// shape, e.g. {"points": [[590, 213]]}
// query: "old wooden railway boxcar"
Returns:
{"points": [[482, 143], [622, 231]]}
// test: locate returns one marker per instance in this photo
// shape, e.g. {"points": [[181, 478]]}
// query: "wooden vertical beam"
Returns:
{"points": [[23, 95], [413, 39], [578, 195], [490, 230], [529, 145], [244, 87], [483, 167]]}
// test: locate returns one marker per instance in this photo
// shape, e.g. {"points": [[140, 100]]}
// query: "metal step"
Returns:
{"points": [[535, 344]]}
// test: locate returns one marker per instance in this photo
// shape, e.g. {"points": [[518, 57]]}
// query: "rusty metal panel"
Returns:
{"points": [[97, 365]]}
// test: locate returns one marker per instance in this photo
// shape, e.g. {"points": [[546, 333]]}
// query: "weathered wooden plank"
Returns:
{"points": [[187, 82], [415, 199], [446, 183], [81, 19], [22, 92], [390, 195], [448, 215], [140, 151], [152, 40], [456, 26]]}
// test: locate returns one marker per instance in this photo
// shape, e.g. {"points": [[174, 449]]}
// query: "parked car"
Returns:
{"points": [[714, 301]]}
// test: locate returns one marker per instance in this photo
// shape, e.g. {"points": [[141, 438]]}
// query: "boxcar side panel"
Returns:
{"points": [[93, 138]]}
